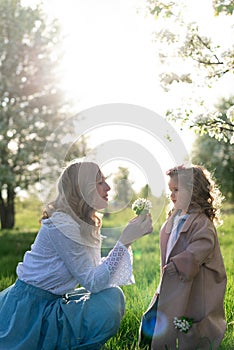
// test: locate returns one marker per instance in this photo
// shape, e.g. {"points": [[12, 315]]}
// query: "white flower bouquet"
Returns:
{"points": [[141, 206], [183, 323]]}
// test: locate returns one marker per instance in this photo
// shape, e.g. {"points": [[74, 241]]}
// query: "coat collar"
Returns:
{"points": [[192, 216], [166, 230]]}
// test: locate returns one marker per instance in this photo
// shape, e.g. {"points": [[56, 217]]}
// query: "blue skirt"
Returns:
{"points": [[34, 319]]}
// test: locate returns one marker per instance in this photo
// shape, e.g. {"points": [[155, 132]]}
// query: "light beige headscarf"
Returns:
{"points": [[74, 231], [87, 180], [74, 228]]}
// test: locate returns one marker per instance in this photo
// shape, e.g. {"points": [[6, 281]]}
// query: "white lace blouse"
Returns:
{"points": [[61, 259]]}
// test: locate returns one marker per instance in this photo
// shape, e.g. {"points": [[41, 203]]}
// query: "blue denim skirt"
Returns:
{"points": [[35, 319]]}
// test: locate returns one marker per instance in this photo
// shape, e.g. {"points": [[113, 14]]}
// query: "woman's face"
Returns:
{"points": [[179, 196], [101, 200]]}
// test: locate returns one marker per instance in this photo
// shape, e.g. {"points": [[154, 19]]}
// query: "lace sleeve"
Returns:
{"points": [[119, 264]]}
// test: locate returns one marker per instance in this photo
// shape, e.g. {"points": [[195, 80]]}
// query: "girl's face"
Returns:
{"points": [[101, 200], [179, 196]]}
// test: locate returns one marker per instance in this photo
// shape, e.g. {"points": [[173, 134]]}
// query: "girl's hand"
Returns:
{"points": [[136, 228]]}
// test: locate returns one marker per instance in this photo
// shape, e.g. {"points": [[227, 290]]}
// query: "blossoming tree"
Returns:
{"points": [[194, 60], [32, 103]]}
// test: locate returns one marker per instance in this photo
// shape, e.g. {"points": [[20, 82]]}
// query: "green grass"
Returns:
{"points": [[14, 243]]}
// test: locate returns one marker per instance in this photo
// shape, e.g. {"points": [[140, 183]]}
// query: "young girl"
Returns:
{"points": [[43, 310], [193, 277]]}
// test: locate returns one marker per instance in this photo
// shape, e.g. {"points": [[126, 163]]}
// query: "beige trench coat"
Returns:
{"points": [[193, 285]]}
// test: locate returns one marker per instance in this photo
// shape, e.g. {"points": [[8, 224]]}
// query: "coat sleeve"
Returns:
{"points": [[197, 252]]}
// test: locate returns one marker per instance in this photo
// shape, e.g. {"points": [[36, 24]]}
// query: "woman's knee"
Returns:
{"points": [[117, 299]]}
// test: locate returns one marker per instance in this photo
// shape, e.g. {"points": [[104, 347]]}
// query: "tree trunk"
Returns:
{"points": [[7, 209]]}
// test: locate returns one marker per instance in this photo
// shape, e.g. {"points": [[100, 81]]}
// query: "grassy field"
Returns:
{"points": [[14, 243]]}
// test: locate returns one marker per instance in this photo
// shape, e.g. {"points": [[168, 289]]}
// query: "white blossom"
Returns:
{"points": [[232, 140], [140, 205], [183, 324], [230, 114]]}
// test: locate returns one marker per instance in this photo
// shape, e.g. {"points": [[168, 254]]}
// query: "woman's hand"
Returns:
{"points": [[136, 228]]}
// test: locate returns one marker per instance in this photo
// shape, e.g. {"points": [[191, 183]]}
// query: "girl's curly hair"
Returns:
{"points": [[205, 194]]}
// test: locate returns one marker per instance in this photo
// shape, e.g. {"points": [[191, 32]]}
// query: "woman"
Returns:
{"points": [[43, 310], [187, 311]]}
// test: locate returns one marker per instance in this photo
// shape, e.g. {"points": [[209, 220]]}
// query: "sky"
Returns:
{"points": [[109, 52], [110, 57]]}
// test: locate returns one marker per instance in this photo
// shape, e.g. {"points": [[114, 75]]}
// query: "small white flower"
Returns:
{"points": [[140, 205], [232, 140], [183, 324], [230, 114]]}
